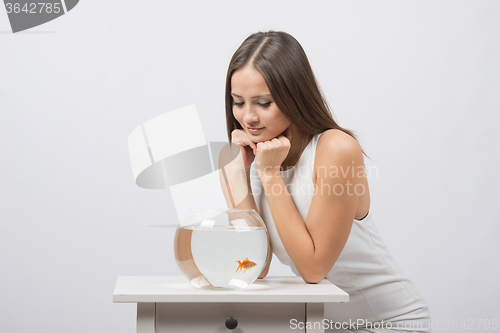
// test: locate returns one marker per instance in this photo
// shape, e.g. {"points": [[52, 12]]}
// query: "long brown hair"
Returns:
{"points": [[283, 63]]}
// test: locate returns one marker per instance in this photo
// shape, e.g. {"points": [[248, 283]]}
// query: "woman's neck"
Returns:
{"points": [[298, 143]]}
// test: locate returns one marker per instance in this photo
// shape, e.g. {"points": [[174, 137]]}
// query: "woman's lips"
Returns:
{"points": [[254, 130]]}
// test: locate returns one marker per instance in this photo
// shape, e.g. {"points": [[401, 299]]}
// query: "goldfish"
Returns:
{"points": [[245, 264]]}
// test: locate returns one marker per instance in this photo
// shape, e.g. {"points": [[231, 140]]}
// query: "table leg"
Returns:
{"points": [[146, 313], [315, 313]]}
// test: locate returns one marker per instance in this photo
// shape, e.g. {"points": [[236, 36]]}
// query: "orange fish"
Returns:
{"points": [[245, 264]]}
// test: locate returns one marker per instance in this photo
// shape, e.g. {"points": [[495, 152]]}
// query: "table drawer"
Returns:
{"points": [[211, 317]]}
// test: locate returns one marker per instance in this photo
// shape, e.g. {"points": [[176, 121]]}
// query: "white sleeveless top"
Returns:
{"points": [[377, 288]]}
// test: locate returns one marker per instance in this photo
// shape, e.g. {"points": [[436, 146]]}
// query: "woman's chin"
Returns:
{"points": [[261, 137]]}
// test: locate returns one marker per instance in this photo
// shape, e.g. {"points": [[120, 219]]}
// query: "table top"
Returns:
{"points": [[271, 289]]}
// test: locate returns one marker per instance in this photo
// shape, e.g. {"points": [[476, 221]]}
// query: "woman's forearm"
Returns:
{"points": [[237, 189], [242, 193], [292, 230]]}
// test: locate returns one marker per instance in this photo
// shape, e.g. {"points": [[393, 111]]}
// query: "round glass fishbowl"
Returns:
{"points": [[224, 248]]}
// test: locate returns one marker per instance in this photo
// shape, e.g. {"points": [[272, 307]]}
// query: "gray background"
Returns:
{"points": [[417, 80]]}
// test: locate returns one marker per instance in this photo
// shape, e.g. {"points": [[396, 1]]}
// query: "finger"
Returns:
{"points": [[251, 144], [243, 141], [235, 135], [284, 141], [244, 145], [243, 137], [276, 142], [254, 147], [238, 135]]}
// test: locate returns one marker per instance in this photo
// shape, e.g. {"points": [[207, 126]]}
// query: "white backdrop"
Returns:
{"points": [[418, 81]]}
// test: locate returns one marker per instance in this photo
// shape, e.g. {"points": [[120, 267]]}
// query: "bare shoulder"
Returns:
{"points": [[336, 145], [339, 161]]}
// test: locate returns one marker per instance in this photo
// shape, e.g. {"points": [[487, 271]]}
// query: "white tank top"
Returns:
{"points": [[377, 288]]}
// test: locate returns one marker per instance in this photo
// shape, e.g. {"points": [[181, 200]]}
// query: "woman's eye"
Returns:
{"points": [[265, 105], [237, 103]]}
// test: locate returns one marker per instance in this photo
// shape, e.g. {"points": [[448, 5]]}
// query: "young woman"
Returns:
{"points": [[305, 176]]}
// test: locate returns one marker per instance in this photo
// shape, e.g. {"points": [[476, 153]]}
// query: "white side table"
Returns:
{"points": [[272, 304]]}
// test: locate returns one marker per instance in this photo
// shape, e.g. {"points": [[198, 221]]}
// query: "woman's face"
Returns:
{"points": [[254, 107]]}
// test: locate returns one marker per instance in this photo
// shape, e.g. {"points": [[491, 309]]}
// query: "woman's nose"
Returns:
{"points": [[250, 116]]}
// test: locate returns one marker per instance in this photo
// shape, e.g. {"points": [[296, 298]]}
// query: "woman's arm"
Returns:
{"points": [[237, 189], [315, 245], [268, 263], [235, 180]]}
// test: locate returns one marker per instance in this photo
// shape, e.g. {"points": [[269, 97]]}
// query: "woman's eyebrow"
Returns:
{"points": [[259, 96]]}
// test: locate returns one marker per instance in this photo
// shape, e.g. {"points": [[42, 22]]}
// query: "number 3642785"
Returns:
{"points": [[471, 324], [33, 8]]}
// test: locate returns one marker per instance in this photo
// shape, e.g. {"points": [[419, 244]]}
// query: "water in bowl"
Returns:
{"points": [[221, 256]]}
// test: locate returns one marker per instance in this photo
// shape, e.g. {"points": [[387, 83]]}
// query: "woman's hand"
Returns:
{"points": [[235, 161], [271, 154], [248, 150]]}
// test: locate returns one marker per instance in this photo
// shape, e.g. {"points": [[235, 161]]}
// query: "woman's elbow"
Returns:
{"points": [[314, 272], [313, 278], [313, 281]]}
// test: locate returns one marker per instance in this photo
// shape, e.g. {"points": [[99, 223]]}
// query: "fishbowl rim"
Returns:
{"points": [[211, 212]]}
